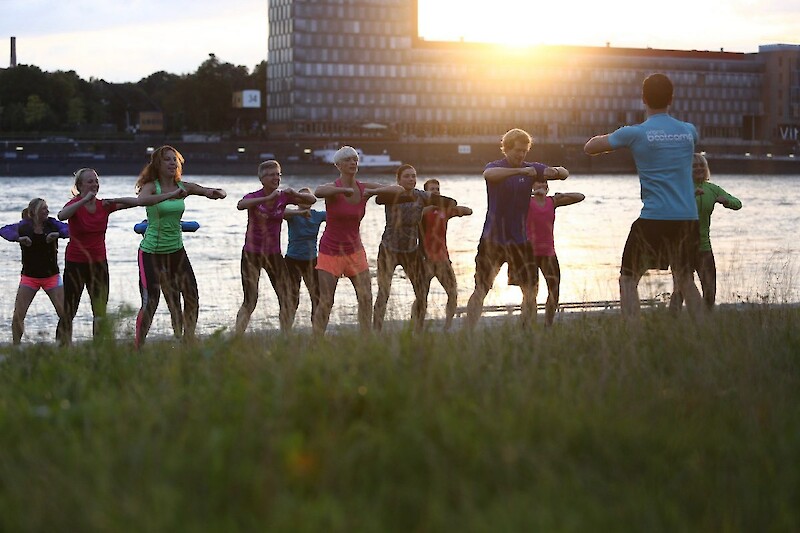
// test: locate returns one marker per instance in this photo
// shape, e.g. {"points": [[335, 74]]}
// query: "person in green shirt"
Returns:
{"points": [[163, 263], [707, 195]]}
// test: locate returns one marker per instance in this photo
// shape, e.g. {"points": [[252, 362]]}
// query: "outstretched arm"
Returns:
{"points": [[61, 230], [300, 197], [290, 212], [459, 211], [598, 145], [389, 192], [199, 190], [556, 173], [247, 203], [10, 232], [501, 173], [728, 200], [328, 190], [567, 198], [126, 202]]}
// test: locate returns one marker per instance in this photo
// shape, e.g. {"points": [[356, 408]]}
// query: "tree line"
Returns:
{"points": [[33, 101]]}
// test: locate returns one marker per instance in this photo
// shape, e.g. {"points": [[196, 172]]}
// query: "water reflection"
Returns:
{"points": [[755, 249]]}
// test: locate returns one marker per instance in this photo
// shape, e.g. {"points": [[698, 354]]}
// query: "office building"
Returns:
{"points": [[357, 68]]}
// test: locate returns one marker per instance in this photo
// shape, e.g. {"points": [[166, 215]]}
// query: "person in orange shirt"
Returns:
{"points": [[434, 245]]}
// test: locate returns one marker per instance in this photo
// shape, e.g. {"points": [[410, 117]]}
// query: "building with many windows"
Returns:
{"points": [[357, 68]]}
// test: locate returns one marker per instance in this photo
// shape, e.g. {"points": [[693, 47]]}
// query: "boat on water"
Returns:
{"points": [[365, 161]]}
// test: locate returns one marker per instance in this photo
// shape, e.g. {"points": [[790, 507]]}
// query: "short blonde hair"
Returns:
{"points": [[343, 153], [513, 136]]}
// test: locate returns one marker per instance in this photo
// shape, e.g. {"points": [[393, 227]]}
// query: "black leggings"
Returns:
{"points": [[77, 276], [171, 274]]}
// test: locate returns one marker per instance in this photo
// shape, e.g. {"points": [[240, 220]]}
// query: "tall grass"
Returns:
{"points": [[596, 423]]}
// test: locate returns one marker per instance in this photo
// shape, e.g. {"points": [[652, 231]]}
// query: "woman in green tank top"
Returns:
{"points": [[163, 263]]}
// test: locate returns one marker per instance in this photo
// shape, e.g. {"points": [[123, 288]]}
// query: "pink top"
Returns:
{"points": [[434, 239], [263, 234], [342, 235], [87, 233], [539, 226]]}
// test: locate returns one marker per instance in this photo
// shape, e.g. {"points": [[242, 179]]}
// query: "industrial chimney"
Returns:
{"points": [[13, 52]]}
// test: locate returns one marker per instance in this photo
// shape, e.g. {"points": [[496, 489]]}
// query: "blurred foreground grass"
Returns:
{"points": [[594, 425]]}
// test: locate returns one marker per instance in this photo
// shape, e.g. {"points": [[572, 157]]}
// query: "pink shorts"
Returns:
{"points": [[41, 283], [345, 266]]}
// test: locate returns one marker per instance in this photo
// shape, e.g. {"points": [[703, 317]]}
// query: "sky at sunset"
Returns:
{"points": [[127, 40]]}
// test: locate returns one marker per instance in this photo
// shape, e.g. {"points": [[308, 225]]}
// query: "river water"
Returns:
{"points": [[756, 249]]}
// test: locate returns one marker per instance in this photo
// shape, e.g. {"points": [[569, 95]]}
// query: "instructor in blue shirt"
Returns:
{"points": [[666, 233]]}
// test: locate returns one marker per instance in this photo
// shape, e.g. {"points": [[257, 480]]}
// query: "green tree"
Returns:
{"points": [[76, 112], [35, 110]]}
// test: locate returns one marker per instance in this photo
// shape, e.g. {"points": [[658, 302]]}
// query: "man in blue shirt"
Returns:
{"points": [[509, 182], [666, 233]]}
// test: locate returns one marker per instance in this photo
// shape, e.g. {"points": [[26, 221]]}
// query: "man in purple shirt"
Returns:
{"points": [[509, 182]]}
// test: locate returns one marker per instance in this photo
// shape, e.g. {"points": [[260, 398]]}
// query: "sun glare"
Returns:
{"points": [[564, 22]]}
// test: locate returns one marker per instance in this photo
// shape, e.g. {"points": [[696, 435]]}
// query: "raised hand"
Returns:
{"points": [[25, 241], [52, 236]]}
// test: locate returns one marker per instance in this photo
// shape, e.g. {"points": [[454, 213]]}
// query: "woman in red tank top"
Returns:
{"points": [[341, 252]]}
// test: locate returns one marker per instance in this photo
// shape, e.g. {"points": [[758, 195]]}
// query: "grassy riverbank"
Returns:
{"points": [[594, 425]]}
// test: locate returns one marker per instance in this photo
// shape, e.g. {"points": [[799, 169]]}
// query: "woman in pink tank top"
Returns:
{"points": [[539, 229], [341, 252]]}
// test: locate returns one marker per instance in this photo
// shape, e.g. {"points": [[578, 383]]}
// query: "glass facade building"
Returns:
{"points": [[349, 68]]}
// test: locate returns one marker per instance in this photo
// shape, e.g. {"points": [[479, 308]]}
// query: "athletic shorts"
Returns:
{"points": [[660, 244], [343, 266], [491, 256], [547, 264], [41, 283]]}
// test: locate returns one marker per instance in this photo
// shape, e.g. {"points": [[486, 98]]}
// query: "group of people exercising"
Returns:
{"points": [[671, 232]]}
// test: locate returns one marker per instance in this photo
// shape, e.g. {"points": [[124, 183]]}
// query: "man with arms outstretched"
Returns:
{"points": [[666, 232]]}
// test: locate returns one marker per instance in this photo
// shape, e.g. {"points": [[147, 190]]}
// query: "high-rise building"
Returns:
{"points": [[350, 68]]}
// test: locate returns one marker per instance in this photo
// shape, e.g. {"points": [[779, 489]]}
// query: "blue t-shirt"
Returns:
{"points": [[508, 201], [662, 148], [303, 235]]}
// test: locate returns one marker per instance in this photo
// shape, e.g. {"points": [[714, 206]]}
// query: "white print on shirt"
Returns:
{"points": [[662, 136]]}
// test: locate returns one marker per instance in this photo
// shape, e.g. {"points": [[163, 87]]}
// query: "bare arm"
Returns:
{"points": [[69, 210], [598, 145], [300, 197], [208, 192], [556, 173], [247, 203], [459, 211], [567, 198], [374, 189], [329, 189], [126, 202], [289, 213]]}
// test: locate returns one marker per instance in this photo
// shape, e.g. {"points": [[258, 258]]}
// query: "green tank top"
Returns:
{"points": [[163, 234]]}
